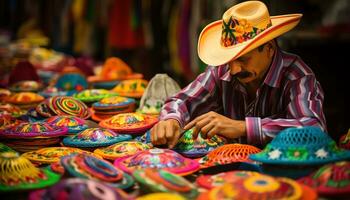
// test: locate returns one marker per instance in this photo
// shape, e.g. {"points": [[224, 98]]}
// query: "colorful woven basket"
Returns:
{"points": [[26, 86], [71, 82], [344, 141], [256, 187], [301, 146], [121, 149], [113, 105], [132, 123], [13, 110], [30, 130], [7, 120], [160, 159], [90, 167], [131, 88], [228, 153], [95, 137], [74, 124], [63, 105], [158, 180], [18, 173], [93, 95], [198, 147], [161, 196], [331, 179], [50, 155], [79, 189], [25, 100]]}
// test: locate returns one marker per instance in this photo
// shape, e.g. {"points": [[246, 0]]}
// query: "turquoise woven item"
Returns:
{"points": [[301, 146]]}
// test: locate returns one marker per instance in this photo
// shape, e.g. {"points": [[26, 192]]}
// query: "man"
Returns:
{"points": [[251, 89]]}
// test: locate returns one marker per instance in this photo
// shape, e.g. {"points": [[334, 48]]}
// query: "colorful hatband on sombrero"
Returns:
{"points": [[50, 155], [74, 124], [198, 147], [79, 189], [158, 180], [331, 179], [131, 88], [344, 141], [256, 187], [26, 86], [18, 173], [132, 123], [30, 130], [160, 159], [211, 181], [95, 137], [93, 95], [161, 196], [63, 105], [90, 167], [25, 100], [228, 153], [121, 149], [301, 146]]}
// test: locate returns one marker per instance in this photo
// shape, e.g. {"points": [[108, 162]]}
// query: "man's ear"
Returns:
{"points": [[271, 46]]}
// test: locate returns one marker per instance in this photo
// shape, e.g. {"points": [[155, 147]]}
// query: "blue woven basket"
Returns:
{"points": [[301, 146]]}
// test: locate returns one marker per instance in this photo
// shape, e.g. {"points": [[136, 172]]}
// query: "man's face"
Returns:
{"points": [[252, 66]]}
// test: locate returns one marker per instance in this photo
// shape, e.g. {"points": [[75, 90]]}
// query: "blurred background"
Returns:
{"points": [[160, 36]]}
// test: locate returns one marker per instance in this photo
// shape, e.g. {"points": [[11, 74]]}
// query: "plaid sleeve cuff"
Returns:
{"points": [[253, 127]]}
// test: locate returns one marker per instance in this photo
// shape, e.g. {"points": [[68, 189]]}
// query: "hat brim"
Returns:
{"points": [[211, 52]]}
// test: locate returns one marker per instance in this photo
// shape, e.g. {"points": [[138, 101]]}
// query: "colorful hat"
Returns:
{"points": [[331, 179], [301, 146], [133, 88], [228, 153], [30, 130], [160, 159], [74, 124], [71, 82], [18, 173], [161, 196], [243, 27], [121, 149], [90, 167], [50, 155], [160, 87], [158, 180], [95, 137], [257, 186], [79, 189], [93, 95], [63, 105], [15, 111], [25, 100], [26, 86], [344, 141], [129, 123], [113, 105], [198, 147]]}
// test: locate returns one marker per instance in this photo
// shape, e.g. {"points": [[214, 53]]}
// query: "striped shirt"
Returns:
{"points": [[290, 96]]}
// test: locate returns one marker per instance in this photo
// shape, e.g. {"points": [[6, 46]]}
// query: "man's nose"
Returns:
{"points": [[236, 67]]}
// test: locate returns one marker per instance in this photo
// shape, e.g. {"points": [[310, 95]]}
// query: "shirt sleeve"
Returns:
{"points": [[195, 99], [305, 97]]}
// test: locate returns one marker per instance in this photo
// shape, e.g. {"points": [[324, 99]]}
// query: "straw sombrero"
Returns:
{"points": [[243, 28]]}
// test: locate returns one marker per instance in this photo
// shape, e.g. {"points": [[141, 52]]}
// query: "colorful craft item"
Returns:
{"points": [[13, 110], [95, 137], [63, 105], [159, 159], [52, 91], [93, 95], [331, 180], [158, 180], [199, 147], [344, 141], [26, 86], [4, 93], [46, 59], [132, 123], [90, 167], [31, 143], [71, 81], [133, 88], [301, 146], [4, 148], [74, 124], [7, 120], [79, 189], [121, 149], [161, 196], [228, 153], [160, 87], [24, 100], [18, 173], [211, 181], [257, 186], [31, 130], [50, 155]]}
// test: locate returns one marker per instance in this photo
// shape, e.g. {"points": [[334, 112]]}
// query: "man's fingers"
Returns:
{"points": [[174, 140], [193, 122]]}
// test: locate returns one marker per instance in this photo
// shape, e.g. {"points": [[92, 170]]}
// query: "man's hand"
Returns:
{"points": [[212, 123], [166, 132]]}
